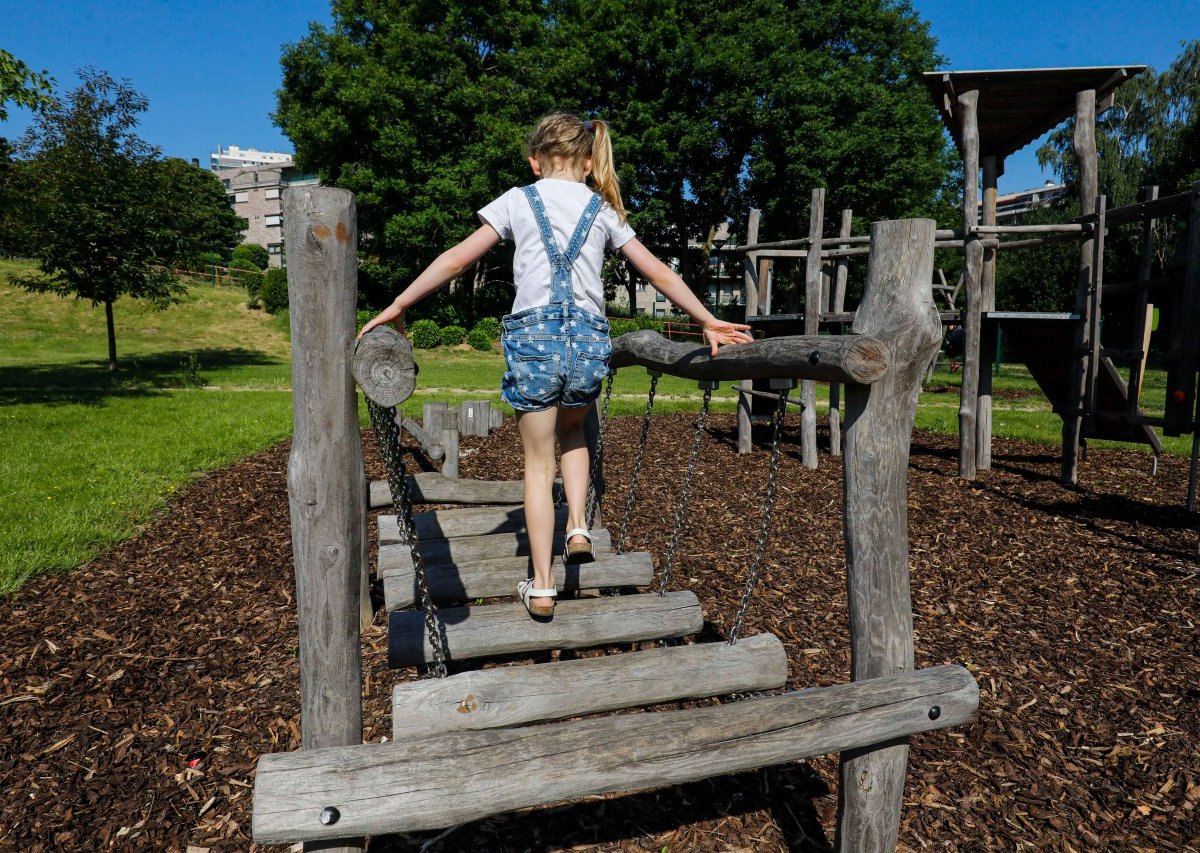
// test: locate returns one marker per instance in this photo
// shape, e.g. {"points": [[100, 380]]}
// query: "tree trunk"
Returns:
{"points": [[112, 336]]}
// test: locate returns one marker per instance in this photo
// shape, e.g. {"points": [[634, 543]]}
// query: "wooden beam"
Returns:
{"points": [[754, 282], [972, 282], [837, 304], [324, 476], [514, 696], [812, 315], [992, 166], [898, 307], [468, 521], [849, 359], [383, 366], [454, 583], [430, 487], [1084, 142], [1097, 292], [468, 549], [1184, 343], [430, 446], [506, 629], [445, 780]]}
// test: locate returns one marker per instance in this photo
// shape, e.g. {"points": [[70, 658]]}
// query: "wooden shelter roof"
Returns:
{"points": [[1018, 105]]}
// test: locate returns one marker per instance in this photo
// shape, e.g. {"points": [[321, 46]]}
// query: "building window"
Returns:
{"points": [[272, 193], [238, 198], [272, 219], [641, 285], [658, 297], [275, 248]]}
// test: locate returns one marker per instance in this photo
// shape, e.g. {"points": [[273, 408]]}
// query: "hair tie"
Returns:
{"points": [[587, 125]]}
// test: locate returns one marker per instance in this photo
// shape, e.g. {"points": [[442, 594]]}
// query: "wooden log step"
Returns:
{"points": [[453, 583], [447, 779], [430, 487], [471, 521], [504, 629], [517, 695], [469, 549]]}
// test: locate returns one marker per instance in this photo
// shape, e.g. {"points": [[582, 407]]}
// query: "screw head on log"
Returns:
{"points": [[330, 816], [935, 712]]}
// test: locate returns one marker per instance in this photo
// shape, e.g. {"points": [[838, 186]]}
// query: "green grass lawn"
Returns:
{"points": [[90, 456]]}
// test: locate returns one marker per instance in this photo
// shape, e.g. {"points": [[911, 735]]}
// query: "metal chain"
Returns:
{"points": [[597, 461], [387, 433], [683, 497], [637, 463], [764, 528]]}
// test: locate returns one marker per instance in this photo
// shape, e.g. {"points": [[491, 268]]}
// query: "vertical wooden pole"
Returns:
{"points": [[812, 320], [972, 275], [837, 303], [366, 613], [1085, 157], [1097, 292], [898, 308], [325, 466], [431, 419], [450, 432], [1142, 316], [987, 302], [752, 283], [1184, 347], [591, 433]]}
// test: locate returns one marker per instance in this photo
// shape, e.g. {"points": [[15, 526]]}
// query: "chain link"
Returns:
{"points": [[387, 433], [683, 496], [598, 459], [637, 463], [764, 528]]}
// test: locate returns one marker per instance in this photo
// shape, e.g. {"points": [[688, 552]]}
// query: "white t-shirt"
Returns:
{"points": [[564, 200]]}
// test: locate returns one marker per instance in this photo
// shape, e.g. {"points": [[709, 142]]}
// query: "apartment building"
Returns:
{"points": [[726, 284], [254, 192]]}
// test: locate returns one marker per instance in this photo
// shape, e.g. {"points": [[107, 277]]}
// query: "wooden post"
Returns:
{"points": [[897, 307], [1085, 157], [325, 467], [812, 320], [752, 281], [837, 304], [431, 418], [992, 167], [1180, 410], [475, 418], [1097, 286], [1142, 315], [972, 275], [591, 432], [450, 432]]}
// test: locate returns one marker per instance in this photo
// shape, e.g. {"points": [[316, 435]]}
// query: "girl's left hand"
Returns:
{"points": [[719, 332], [378, 320]]}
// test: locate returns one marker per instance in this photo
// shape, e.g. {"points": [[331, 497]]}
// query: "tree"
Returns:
{"points": [[21, 85], [421, 109], [253, 253], [102, 215]]}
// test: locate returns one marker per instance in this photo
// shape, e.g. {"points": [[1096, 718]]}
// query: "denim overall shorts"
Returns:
{"points": [[557, 354]]}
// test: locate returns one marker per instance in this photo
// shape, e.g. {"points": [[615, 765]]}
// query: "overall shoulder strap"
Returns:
{"points": [[582, 229], [543, 224]]}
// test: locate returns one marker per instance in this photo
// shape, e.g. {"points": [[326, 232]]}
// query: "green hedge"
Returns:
{"points": [[490, 326], [425, 334], [620, 327], [452, 336], [274, 290], [480, 340]]}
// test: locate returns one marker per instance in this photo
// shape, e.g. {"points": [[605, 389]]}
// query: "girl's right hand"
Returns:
{"points": [[719, 332]]}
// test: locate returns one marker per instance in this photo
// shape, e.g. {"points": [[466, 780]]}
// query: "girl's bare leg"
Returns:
{"points": [[537, 436], [575, 464]]}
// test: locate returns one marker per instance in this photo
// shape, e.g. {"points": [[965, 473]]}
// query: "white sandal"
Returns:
{"points": [[526, 591], [578, 552]]}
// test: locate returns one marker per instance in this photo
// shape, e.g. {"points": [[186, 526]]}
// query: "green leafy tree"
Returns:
{"points": [[21, 85], [421, 110], [254, 253], [102, 215]]}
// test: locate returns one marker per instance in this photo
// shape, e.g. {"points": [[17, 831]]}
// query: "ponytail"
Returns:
{"points": [[604, 175]]}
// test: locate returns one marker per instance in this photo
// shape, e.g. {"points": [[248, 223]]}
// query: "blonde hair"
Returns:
{"points": [[561, 135]]}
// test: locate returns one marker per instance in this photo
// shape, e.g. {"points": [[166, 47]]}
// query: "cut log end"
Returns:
{"points": [[383, 366]]}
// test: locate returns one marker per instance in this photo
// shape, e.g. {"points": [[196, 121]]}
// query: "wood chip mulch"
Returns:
{"points": [[137, 692]]}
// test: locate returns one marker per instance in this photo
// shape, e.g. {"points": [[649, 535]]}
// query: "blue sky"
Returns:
{"points": [[211, 69]]}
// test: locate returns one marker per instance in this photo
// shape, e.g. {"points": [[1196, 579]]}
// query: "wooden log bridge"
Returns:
{"points": [[848, 359], [489, 739]]}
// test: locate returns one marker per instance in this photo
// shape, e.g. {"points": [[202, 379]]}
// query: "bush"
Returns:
{"points": [[633, 324], [425, 334], [274, 290], [247, 274], [253, 253], [480, 340], [452, 336], [490, 326], [448, 315]]}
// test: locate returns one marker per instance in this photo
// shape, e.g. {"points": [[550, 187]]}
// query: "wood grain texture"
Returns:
{"points": [[992, 166], [812, 319], [467, 549], [851, 358], [750, 278], [968, 409], [467, 521], [897, 307], [430, 446], [383, 366], [837, 304], [324, 475], [430, 487], [501, 629], [444, 780], [458, 582], [513, 696]]}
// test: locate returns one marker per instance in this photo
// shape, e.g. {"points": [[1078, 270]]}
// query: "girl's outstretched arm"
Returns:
{"points": [[667, 282], [449, 264]]}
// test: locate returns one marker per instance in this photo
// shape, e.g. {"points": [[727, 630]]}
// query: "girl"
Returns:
{"points": [[555, 341]]}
